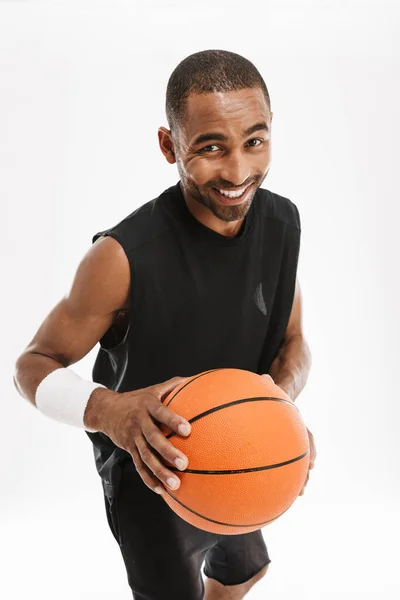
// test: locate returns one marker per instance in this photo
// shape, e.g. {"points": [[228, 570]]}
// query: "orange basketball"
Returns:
{"points": [[248, 451]]}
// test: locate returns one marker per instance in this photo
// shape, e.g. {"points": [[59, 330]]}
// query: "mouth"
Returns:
{"points": [[225, 199]]}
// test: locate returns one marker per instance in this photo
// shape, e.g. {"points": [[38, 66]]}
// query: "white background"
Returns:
{"points": [[82, 92]]}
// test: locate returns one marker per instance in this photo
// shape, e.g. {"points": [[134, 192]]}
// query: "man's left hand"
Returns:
{"points": [[313, 455], [313, 451]]}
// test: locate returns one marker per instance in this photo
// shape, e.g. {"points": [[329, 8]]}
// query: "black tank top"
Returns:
{"points": [[198, 300]]}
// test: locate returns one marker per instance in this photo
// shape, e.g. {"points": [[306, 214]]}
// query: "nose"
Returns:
{"points": [[234, 169]]}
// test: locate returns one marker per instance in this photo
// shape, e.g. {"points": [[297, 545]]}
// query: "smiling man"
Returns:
{"points": [[222, 168], [202, 277]]}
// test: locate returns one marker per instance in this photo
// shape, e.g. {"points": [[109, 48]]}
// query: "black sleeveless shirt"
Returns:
{"points": [[198, 300]]}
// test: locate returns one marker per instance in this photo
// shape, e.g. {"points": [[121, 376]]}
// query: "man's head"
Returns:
{"points": [[219, 93]]}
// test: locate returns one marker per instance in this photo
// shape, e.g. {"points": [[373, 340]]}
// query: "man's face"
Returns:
{"points": [[217, 151]]}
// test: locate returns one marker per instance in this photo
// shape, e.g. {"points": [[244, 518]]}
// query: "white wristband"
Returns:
{"points": [[63, 395]]}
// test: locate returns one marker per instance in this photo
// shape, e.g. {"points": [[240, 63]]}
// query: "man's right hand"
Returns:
{"points": [[127, 418]]}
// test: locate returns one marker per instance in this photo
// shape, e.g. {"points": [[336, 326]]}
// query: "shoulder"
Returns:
{"points": [[141, 226], [279, 207]]}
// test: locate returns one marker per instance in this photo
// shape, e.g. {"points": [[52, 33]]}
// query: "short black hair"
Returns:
{"points": [[205, 72]]}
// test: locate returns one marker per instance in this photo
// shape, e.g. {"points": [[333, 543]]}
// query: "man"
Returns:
{"points": [[202, 277]]}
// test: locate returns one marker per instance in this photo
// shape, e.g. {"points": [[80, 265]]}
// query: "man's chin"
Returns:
{"points": [[230, 213]]}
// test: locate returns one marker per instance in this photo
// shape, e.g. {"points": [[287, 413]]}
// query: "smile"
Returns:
{"points": [[228, 197], [231, 194]]}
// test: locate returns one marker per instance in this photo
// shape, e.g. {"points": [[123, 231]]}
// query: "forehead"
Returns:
{"points": [[225, 109]]}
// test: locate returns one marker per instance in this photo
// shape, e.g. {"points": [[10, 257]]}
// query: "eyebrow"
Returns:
{"points": [[209, 137]]}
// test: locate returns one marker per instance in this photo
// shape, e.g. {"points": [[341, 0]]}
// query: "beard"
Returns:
{"points": [[204, 196], [225, 213]]}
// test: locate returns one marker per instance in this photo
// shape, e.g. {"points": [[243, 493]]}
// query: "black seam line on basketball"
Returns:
{"points": [[242, 400], [237, 471], [194, 378], [221, 522]]}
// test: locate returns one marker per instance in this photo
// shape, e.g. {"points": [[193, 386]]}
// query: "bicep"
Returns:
{"points": [[99, 290]]}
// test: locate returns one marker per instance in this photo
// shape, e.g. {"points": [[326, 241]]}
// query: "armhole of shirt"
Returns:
{"points": [[115, 336]]}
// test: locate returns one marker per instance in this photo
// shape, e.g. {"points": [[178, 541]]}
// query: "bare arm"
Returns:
{"points": [[100, 289], [291, 366], [76, 324]]}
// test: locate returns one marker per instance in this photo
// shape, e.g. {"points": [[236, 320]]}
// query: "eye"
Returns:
{"points": [[205, 149], [256, 140]]}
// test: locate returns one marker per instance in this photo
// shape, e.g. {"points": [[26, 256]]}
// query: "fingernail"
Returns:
{"points": [[180, 463], [158, 490], [184, 428], [172, 483]]}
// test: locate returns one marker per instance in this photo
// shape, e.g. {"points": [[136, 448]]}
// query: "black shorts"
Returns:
{"points": [[164, 554]]}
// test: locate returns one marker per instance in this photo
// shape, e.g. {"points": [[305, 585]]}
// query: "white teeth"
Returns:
{"points": [[233, 194]]}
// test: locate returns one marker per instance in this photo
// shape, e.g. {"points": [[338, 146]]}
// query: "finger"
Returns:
{"points": [[165, 415], [304, 484], [304, 487], [314, 457], [164, 447], [268, 377], [155, 465], [146, 475], [166, 387]]}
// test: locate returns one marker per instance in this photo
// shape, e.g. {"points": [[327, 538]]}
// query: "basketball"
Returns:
{"points": [[248, 451]]}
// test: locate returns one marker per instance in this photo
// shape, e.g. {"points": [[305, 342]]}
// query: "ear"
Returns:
{"points": [[166, 144]]}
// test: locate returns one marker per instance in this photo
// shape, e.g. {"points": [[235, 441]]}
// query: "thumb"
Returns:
{"points": [[268, 376], [166, 387]]}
